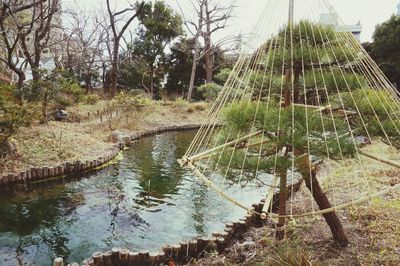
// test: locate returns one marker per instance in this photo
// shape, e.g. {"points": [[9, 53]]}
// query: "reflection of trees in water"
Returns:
{"points": [[200, 208], [156, 161], [38, 220]]}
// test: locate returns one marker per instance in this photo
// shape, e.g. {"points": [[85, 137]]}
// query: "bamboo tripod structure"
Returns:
{"points": [[293, 75], [192, 161]]}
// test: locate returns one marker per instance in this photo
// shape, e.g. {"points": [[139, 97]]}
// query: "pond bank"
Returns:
{"points": [[63, 148]]}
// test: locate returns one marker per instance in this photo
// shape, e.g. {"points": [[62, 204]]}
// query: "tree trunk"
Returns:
{"points": [[196, 54], [207, 46], [323, 203], [114, 71], [44, 107], [280, 230], [35, 75], [296, 87], [192, 76], [21, 79], [288, 90], [152, 82], [209, 67]]}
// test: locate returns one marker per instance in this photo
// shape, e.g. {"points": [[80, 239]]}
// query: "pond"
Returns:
{"points": [[143, 202]]}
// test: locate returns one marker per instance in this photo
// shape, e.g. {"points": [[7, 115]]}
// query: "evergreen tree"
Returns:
{"points": [[159, 26], [289, 102], [385, 48]]}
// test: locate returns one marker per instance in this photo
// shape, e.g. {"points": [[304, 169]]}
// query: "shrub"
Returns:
{"points": [[131, 106], [209, 92], [222, 76], [200, 106], [180, 102], [63, 100], [92, 98], [71, 88], [13, 114]]}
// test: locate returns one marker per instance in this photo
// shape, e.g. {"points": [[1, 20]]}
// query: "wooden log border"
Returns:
{"points": [[181, 252], [185, 251], [70, 168]]}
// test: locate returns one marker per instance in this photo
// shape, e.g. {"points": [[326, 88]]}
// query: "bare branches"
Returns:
{"points": [[212, 17], [114, 18], [85, 44], [35, 37]]}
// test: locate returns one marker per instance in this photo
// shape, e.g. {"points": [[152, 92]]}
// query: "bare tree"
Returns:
{"points": [[114, 18], [215, 18], [84, 46], [211, 17], [36, 35], [11, 35]]}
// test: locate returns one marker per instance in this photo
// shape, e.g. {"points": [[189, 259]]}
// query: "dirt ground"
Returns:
{"points": [[55, 142], [373, 228]]}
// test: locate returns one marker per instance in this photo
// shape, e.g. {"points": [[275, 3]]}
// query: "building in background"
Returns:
{"points": [[333, 19], [51, 56], [398, 9]]}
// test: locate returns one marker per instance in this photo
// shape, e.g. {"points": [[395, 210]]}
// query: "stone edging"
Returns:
{"points": [[73, 168]]}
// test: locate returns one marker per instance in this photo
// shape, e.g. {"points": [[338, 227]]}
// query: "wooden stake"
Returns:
{"points": [[58, 262], [280, 231]]}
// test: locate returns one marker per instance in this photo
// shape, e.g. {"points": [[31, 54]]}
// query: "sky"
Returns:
{"points": [[247, 12]]}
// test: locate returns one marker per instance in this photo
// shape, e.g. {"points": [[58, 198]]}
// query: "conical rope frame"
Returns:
{"points": [[302, 92]]}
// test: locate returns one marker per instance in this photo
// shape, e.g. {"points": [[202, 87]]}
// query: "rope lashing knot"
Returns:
{"points": [[184, 161]]}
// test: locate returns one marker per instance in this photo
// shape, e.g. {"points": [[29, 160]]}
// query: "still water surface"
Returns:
{"points": [[145, 201]]}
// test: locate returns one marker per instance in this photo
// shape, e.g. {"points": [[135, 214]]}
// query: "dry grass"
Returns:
{"points": [[55, 142], [373, 228]]}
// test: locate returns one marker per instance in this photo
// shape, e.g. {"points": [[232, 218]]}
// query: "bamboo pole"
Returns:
{"points": [[269, 198], [382, 160], [233, 142], [345, 205], [249, 145], [211, 185]]}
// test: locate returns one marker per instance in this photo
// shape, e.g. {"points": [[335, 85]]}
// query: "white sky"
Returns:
{"points": [[369, 12]]}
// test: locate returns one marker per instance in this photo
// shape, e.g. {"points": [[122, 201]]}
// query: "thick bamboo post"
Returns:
{"points": [[45, 172], [184, 249], [221, 244], [202, 243], [58, 262], [192, 248], [124, 257], [144, 257], [268, 200], [154, 258], [107, 258], [98, 259], [115, 255], [133, 258]]}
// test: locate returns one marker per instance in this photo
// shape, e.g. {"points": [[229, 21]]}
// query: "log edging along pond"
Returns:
{"points": [[182, 252], [185, 251], [69, 168]]}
